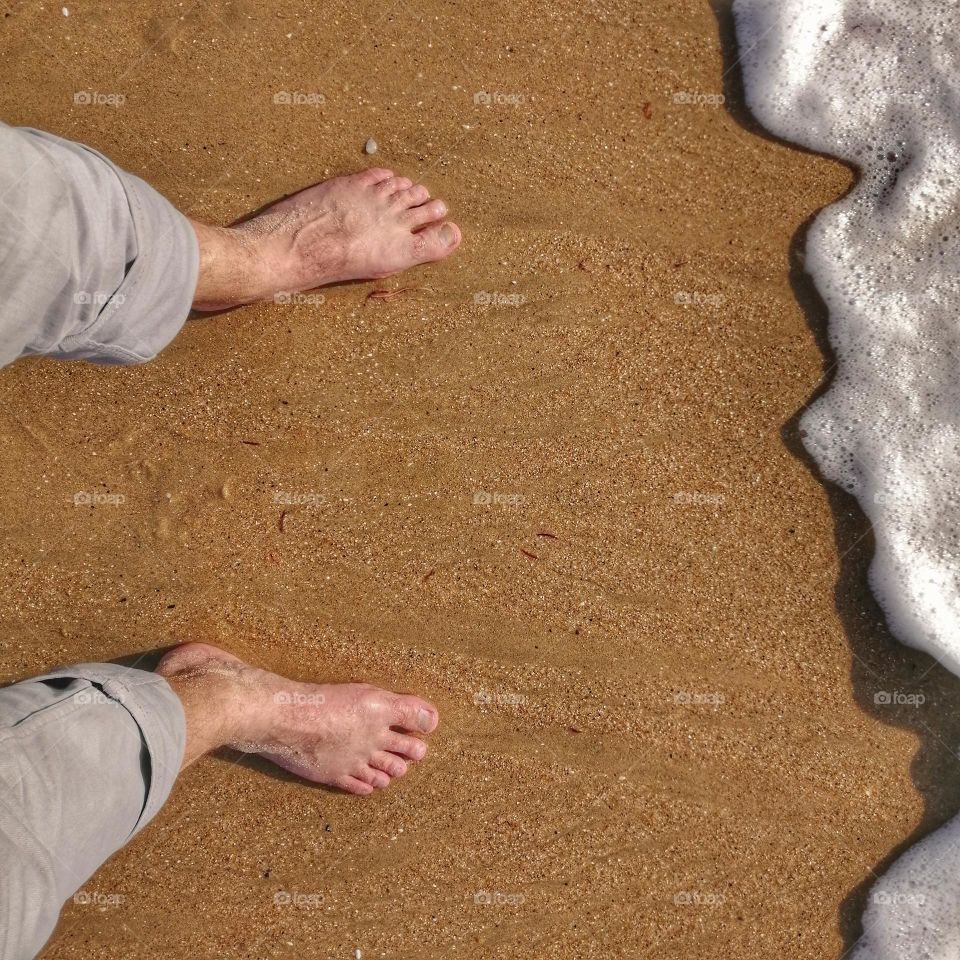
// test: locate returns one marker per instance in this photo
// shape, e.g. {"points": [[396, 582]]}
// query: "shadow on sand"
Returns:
{"points": [[880, 662]]}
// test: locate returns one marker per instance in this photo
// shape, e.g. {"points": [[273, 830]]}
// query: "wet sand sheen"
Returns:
{"points": [[651, 742]]}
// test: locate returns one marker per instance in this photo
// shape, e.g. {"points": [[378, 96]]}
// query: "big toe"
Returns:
{"points": [[415, 715], [436, 242]]}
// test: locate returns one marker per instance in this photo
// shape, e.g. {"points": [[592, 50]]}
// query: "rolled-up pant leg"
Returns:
{"points": [[88, 755], [94, 263]]}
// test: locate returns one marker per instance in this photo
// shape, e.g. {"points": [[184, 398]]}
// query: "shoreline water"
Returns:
{"points": [[880, 259]]}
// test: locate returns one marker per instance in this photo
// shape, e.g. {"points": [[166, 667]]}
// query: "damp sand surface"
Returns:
{"points": [[554, 485]]}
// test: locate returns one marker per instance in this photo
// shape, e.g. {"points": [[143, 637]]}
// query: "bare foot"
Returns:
{"points": [[361, 227], [352, 736]]}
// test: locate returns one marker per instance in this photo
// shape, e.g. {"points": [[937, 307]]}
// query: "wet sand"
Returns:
{"points": [[553, 485]]}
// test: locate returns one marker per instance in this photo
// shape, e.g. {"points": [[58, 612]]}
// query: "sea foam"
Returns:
{"points": [[877, 83]]}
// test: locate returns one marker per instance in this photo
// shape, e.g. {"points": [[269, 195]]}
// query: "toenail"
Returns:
{"points": [[425, 720], [449, 237]]}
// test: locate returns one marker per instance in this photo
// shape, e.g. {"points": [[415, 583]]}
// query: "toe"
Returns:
{"points": [[389, 763], [406, 747], [413, 197], [426, 213], [376, 778], [394, 185], [414, 714], [436, 242], [374, 175], [353, 785]]}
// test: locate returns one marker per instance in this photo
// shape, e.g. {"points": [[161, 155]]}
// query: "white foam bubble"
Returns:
{"points": [[877, 83]]}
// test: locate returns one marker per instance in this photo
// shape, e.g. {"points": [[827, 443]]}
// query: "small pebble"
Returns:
{"points": [[370, 146], [66, 12], [358, 953]]}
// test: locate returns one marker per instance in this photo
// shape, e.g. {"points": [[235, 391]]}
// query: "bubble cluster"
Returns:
{"points": [[877, 83]]}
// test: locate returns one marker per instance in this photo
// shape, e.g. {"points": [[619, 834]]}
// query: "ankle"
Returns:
{"points": [[222, 706], [233, 270]]}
